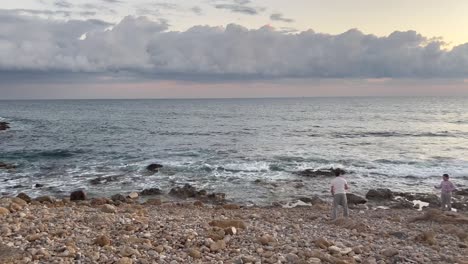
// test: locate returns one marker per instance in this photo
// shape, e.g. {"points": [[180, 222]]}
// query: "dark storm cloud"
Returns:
{"points": [[138, 46], [279, 17]]}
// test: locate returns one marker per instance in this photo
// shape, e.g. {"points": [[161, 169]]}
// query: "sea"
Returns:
{"points": [[250, 149]]}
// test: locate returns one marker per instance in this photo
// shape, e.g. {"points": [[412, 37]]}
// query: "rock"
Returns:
{"points": [[9, 254], [186, 191], [100, 201], [194, 253], [314, 261], [133, 195], [25, 197], [266, 239], [463, 192], [379, 194], [14, 207], [119, 198], [198, 204], [390, 252], [127, 251], [398, 234], [228, 223], [402, 204], [108, 208], [230, 231], [154, 167], [314, 200], [101, 180], [4, 126], [45, 199], [102, 241], [151, 191], [125, 260], [323, 243], [7, 166], [427, 237], [78, 195], [292, 258], [231, 206], [153, 201], [38, 185], [4, 211], [19, 201], [323, 172], [355, 199], [218, 245]]}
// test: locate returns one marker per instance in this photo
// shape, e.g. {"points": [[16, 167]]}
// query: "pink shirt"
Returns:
{"points": [[339, 184], [446, 187]]}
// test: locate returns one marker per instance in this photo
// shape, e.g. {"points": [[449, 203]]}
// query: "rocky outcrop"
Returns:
{"points": [[151, 191], [4, 126], [102, 180], [322, 172], [7, 166]]}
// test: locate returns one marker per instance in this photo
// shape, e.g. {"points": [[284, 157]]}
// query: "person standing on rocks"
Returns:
{"points": [[446, 188], [339, 186]]}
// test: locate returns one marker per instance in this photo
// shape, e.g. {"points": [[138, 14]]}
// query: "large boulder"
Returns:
{"points": [[188, 191], [25, 197], [355, 199], [321, 172], [312, 200], [154, 167], [379, 194]]}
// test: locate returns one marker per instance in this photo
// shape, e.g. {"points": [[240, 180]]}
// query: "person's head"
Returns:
{"points": [[445, 177], [337, 173]]}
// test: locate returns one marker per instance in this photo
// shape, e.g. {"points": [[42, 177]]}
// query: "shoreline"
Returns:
{"points": [[100, 230]]}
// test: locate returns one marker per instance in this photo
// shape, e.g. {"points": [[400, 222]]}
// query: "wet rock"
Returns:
{"points": [[38, 185], [7, 166], [24, 197], [119, 198], [4, 126], [355, 199], [379, 194], [322, 172], [78, 195], [186, 191], [151, 191], [102, 180], [154, 167], [314, 200]]}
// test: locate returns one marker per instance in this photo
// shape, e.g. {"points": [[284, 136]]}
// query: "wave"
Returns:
{"points": [[398, 134], [41, 154]]}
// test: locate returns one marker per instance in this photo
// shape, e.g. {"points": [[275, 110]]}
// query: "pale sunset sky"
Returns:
{"points": [[54, 49]]}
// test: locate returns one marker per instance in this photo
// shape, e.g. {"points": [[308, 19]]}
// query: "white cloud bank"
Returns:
{"points": [[141, 46]]}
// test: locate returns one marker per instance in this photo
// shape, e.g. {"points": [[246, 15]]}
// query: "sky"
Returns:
{"points": [[63, 49]]}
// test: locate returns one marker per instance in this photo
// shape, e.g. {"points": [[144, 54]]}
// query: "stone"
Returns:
{"points": [[314, 200], [101, 180], [102, 241], [379, 194], [153, 201], [78, 195], [154, 167], [266, 239], [323, 243], [127, 251], [24, 197], [390, 252], [322, 172], [228, 223], [7, 166], [151, 191], [125, 260], [133, 195], [230, 231], [45, 199], [14, 207], [99, 201], [292, 258], [355, 199], [19, 201], [194, 253], [38, 185], [119, 198], [218, 245], [108, 208], [231, 206], [10, 254], [4, 211], [314, 261]]}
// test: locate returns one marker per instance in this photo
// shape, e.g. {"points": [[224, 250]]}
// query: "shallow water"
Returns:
{"points": [[226, 144]]}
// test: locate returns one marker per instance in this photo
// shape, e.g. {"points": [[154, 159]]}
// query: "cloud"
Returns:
{"points": [[279, 17], [138, 46], [63, 4], [197, 10], [239, 6]]}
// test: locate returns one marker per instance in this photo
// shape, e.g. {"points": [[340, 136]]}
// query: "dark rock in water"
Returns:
{"points": [[379, 194], [4, 126], [25, 197], [154, 167], [7, 166], [151, 191], [355, 199], [78, 195], [45, 199], [101, 180], [184, 192], [312, 200], [38, 185], [216, 197], [323, 172]]}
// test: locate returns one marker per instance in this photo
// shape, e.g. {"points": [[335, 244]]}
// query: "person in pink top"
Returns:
{"points": [[446, 188], [339, 186]]}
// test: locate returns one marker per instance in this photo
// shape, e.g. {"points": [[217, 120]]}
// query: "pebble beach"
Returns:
{"points": [[100, 230]]}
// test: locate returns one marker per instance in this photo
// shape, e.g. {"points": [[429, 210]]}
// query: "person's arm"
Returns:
{"points": [[332, 190], [346, 187], [452, 187]]}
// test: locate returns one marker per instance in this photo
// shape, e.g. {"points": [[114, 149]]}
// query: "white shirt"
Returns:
{"points": [[339, 184]]}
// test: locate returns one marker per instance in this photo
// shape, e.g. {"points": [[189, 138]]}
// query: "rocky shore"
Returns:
{"points": [[127, 229]]}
